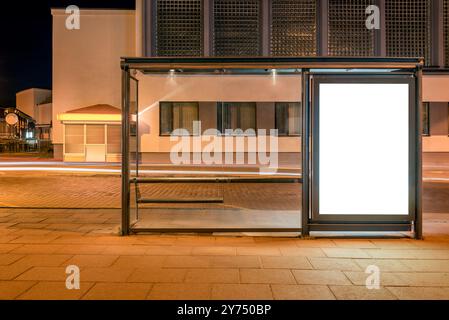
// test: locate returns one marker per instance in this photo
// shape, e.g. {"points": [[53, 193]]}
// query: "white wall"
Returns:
{"points": [[86, 62], [27, 100], [44, 113], [156, 88]]}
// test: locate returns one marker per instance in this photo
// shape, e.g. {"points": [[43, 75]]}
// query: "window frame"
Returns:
{"points": [[192, 134], [107, 139], [288, 135], [65, 139], [220, 109]]}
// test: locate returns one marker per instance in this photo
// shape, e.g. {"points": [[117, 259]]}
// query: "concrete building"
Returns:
{"points": [[37, 103], [86, 65]]}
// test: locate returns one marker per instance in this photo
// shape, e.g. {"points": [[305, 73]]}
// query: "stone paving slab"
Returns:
{"points": [[34, 258]]}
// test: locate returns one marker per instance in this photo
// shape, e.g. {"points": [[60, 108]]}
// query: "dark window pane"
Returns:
{"points": [[348, 35], [425, 119], [293, 27], [179, 28], [166, 117], [237, 28], [408, 27], [289, 118], [237, 116], [178, 115]]}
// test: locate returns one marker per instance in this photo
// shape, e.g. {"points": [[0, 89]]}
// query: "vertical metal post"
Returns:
{"points": [[437, 41], [266, 8], [207, 7], [305, 152], [147, 33], [382, 33], [125, 152], [323, 28], [419, 183], [137, 144], [379, 33], [137, 129]]}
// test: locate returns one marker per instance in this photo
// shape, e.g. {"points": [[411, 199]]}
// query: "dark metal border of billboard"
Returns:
{"points": [[367, 66]]}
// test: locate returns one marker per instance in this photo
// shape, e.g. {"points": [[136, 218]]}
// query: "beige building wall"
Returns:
{"points": [[86, 62], [436, 91], [27, 100], [265, 90], [44, 114]]}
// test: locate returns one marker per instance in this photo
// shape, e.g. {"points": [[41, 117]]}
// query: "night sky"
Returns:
{"points": [[26, 42]]}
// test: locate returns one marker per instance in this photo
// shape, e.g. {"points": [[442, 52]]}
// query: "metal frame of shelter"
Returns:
{"points": [[313, 70]]}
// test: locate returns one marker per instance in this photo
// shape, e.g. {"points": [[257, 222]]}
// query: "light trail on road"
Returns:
{"points": [[118, 171]]}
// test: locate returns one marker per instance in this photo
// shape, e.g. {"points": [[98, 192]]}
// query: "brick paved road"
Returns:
{"points": [[37, 190], [76, 191]]}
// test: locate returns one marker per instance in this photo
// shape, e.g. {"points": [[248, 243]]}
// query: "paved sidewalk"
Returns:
{"points": [[36, 246]]}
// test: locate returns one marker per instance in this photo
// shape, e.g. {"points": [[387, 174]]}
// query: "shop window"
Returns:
{"points": [[95, 134], [74, 139], [288, 118], [426, 119], [236, 116], [293, 27], [178, 115], [179, 27], [114, 139]]}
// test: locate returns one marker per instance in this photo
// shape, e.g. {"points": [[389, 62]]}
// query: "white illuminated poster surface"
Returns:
{"points": [[364, 149]]}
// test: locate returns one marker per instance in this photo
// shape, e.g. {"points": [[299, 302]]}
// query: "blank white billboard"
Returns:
{"points": [[363, 149]]}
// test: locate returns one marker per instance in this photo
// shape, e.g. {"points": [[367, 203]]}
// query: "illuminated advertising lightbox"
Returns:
{"points": [[364, 149]]}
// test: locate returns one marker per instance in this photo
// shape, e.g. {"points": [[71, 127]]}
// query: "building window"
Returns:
{"points": [[74, 139], [426, 119], [288, 118], [408, 28], [348, 34], [237, 28], [179, 27], [446, 32], [95, 134], [178, 115], [114, 139], [293, 28], [234, 116]]}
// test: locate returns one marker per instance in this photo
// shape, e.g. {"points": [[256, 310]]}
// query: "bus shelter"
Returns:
{"points": [[345, 134]]}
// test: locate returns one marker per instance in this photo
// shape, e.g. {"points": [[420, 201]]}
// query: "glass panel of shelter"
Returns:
{"points": [[222, 162]]}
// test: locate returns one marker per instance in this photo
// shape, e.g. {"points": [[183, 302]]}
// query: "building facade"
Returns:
{"points": [[87, 71], [37, 103]]}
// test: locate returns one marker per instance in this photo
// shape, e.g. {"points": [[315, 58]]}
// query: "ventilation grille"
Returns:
{"points": [[348, 34], [179, 27], [293, 28], [237, 28], [408, 27]]}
